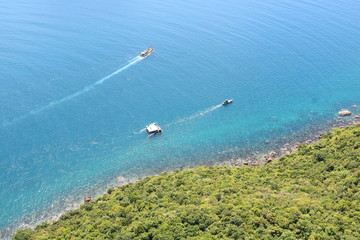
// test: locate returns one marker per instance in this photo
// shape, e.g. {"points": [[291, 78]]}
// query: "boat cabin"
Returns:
{"points": [[153, 128], [146, 53], [227, 101]]}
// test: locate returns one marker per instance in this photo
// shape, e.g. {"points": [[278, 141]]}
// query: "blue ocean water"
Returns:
{"points": [[74, 97]]}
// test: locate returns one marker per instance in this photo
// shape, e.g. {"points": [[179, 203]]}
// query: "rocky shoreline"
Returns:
{"points": [[345, 118]]}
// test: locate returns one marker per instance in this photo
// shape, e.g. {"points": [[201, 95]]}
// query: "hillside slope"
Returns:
{"points": [[312, 193]]}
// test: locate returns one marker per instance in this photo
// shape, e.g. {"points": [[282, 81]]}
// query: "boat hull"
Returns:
{"points": [[153, 128], [146, 53], [226, 102]]}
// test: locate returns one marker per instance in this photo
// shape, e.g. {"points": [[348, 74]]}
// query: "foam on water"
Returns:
{"points": [[188, 118], [196, 115]]}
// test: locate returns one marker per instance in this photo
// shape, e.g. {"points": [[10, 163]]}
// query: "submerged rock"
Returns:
{"points": [[121, 179], [87, 199], [272, 154], [344, 113]]}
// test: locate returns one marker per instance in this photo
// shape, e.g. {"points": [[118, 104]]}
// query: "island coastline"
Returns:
{"points": [[277, 150]]}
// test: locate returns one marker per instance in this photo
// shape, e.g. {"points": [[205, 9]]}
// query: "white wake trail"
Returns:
{"points": [[141, 131], [69, 97], [196, 115]]}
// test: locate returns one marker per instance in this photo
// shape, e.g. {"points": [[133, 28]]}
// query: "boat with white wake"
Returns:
{"points": [[153, 128], [147, 52], [227, 101]]}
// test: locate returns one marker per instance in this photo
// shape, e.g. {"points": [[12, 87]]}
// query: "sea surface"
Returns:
{"points": [[75, 98]]}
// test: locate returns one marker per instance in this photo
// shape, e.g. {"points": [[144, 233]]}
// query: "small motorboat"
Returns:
{"points": [[227, 101], [147, 52], [153, 128]]}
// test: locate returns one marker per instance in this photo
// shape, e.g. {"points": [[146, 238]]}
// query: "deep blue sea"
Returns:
{"points": [[75, 98]]}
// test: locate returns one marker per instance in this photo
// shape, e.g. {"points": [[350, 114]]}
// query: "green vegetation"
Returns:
{"points": [[312, 193]]}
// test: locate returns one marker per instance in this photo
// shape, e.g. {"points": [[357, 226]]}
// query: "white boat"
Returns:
{"points": [[153, 128]]}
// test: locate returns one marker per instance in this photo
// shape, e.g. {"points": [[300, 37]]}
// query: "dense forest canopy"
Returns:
{"points": [[312, 193]]}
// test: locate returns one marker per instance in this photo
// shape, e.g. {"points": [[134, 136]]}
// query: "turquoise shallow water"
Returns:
{"points": [[74, 97]]}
